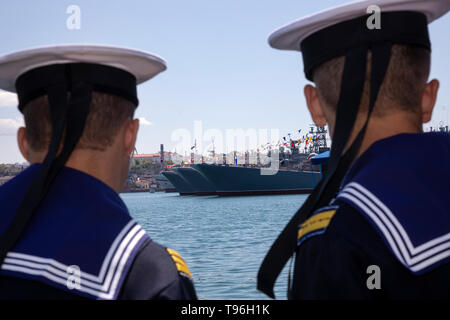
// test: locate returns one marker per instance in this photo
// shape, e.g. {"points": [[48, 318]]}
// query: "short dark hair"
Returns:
{"points": [[106, 115], [402, 87]]}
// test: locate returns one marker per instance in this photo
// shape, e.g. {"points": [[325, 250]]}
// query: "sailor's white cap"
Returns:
{"points": [[290, 36], [142, 65]]}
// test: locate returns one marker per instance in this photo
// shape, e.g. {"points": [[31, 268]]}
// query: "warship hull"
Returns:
{"points": [[234, 181]]}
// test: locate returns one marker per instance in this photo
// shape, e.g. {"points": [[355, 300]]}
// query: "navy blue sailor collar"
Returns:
{"points": [[404, 193], [81, 238]]}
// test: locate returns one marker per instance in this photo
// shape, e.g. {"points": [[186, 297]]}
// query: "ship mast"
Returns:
{"points": [[320, 144], [213, 151]]}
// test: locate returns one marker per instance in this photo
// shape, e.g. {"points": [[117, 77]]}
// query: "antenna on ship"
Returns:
{"points": [[213, 151], [194, 147]]}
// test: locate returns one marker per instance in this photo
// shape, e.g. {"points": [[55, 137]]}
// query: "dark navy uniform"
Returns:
{"points": [[82, 244], [393, 212]]}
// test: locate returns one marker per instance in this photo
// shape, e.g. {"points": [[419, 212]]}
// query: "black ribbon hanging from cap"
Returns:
{"points": [[316, 50], [67, 119]]}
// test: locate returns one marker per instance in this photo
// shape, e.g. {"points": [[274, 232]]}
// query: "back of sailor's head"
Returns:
{"points": [[402, 87], [107, 114], [330, 38]]}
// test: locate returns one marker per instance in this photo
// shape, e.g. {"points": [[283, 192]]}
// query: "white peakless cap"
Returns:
{"points": [[290, 36], [142, 65]]}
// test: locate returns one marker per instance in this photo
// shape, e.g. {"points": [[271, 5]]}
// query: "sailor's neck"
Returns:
{"points": [[382, 128], [104, 169]]}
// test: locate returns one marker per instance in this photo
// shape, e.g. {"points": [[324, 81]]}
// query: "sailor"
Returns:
{"points": [[64, 231], [378, 224]]}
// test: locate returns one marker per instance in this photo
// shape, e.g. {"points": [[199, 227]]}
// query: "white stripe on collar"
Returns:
{"points": [[414, 258], [102, 286]]}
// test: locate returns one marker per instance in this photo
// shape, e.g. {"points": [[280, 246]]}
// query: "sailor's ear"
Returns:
{"points": [[429, 97], [131, 130], [23, 143], [314, 106]]}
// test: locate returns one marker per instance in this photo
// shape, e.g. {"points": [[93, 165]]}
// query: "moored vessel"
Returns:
{"points": [[201, 185], [183, 187], [235, 180]]}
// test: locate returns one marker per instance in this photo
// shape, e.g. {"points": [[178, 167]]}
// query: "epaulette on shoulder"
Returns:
{"points": [[180, 263], [317, 224]]}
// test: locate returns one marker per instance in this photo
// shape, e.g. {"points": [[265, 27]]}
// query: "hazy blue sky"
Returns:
{"points": [[220, 68]]}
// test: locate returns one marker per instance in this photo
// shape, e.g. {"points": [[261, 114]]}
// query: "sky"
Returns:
{"points": [[221, 75]]}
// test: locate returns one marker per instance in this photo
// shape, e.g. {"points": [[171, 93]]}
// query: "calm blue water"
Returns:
{"points": [[223, 240]]}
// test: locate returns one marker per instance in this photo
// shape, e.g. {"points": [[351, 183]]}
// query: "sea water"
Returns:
{"points": [[223, 239]]}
